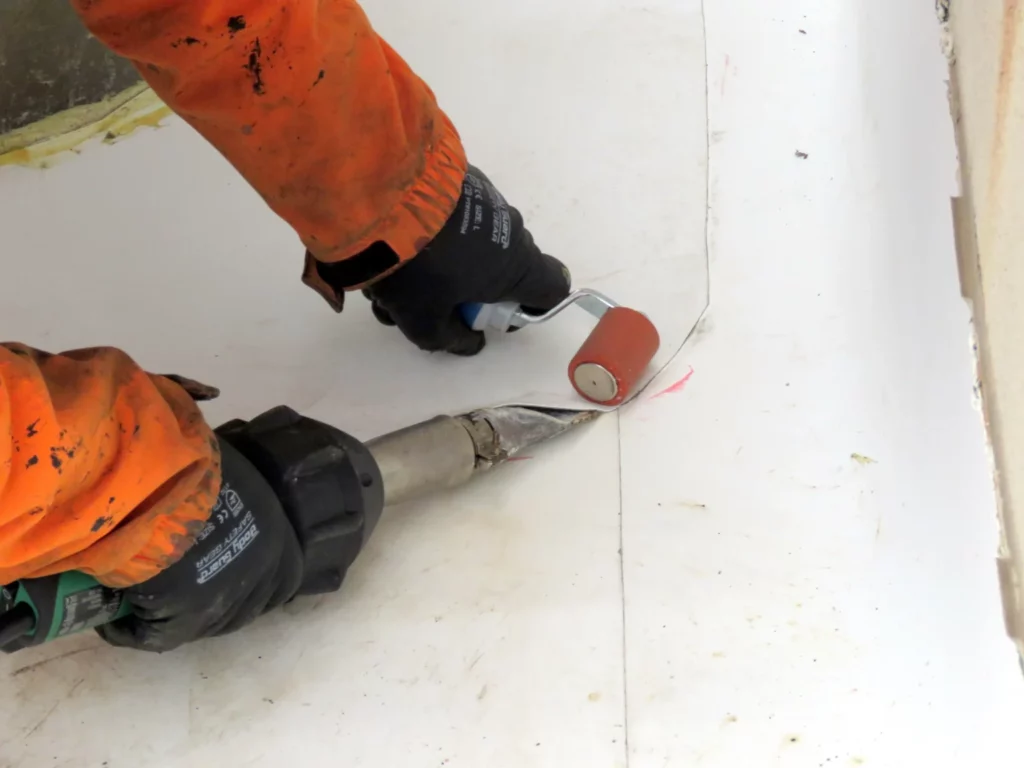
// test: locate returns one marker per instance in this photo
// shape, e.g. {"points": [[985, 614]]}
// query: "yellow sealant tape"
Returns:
{"points": [[38, 145]]}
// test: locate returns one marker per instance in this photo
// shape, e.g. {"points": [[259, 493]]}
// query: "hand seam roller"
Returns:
{"points": [[611, 360]]}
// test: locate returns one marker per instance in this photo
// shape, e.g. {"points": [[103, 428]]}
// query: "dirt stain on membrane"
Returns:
{"points": [[692, 504], [44, 662], [862, 459]]}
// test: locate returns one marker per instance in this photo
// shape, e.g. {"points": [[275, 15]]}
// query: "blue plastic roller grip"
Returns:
{"points": [[470, 313]]}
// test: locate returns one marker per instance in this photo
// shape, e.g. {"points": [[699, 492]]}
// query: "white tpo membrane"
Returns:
{"points": [[156, 245]]}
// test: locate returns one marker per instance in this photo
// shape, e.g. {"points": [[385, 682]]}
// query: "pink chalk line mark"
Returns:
{"points": [[679, 386], [520, 458]]}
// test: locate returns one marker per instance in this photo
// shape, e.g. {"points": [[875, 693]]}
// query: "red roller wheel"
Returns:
{"points": [[614, 356]]}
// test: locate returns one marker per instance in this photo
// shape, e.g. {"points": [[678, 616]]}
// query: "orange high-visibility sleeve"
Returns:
{"points": [[103, 468], [316, 111]]}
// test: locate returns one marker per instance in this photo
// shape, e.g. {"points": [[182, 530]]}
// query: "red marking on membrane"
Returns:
{"points": [[679, 386]]}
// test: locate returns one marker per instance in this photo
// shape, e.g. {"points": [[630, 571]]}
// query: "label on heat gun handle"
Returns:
{"points": [[89, 608], [490, 317]]}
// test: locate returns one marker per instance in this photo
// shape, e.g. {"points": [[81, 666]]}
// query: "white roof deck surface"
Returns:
{"points": [[780, 554]]}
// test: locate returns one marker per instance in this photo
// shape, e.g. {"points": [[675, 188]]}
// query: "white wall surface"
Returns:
{"points": [[780, 555], [989, 50]]}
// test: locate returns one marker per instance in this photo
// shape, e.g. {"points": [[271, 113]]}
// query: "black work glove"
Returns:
{"points": [[246, 562], [483, 254]]}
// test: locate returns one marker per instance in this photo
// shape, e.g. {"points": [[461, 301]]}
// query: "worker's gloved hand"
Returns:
{"points": [[483, 254], [246, 562]]}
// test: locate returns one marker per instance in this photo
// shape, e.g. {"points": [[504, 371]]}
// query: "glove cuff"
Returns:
{"points": [[327, 482], [311, 277]]}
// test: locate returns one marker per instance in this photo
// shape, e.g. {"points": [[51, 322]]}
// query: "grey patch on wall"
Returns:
{"points": [[49, 63], [945, 33]]}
